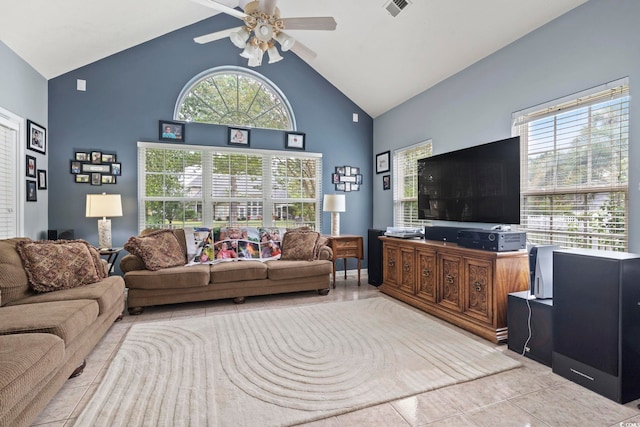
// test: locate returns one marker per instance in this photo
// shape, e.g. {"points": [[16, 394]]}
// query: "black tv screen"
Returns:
{"points": [[477, 184]]}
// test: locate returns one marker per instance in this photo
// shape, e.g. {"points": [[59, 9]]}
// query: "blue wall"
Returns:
{"points": [[129, 92], [591, 45]]}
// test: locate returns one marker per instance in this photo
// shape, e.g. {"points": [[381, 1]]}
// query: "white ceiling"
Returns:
{"points": [[377, 60]]}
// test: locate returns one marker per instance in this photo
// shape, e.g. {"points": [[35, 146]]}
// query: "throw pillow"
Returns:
{"points": [[157, 250], [59, 264], [299, 245]]}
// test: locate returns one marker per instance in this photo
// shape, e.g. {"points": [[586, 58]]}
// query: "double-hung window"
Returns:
{"points": [[574, 173], [217, 186], [405, 184]]}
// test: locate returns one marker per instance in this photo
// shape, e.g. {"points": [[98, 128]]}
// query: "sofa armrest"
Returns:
{"points": [[326, 253], [131, 262]]}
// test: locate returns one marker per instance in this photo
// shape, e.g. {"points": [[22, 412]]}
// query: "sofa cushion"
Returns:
{"points": [[299, 245], [14, 283], [169, 278], [238, 271], [106, 293], [283, 269], [25, 359], [59, 264], [158, 249], [66, 319]]}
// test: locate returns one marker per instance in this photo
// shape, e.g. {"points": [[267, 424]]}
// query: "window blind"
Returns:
{"points": [[405, 184], [8, 185], [574, 170]]}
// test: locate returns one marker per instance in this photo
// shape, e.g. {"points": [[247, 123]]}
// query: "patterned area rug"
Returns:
{"points": [[282, 366]]}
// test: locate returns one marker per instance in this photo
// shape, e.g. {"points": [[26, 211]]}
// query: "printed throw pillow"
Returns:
{"points": [[299, 245], [59, 264], [157, 250]]}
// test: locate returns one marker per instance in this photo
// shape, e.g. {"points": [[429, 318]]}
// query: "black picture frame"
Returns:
{"points": [[42, 179], [82, 178], [32, 191], [75, 167], [295, 140], [81, 156], [96, 157], [383, 162], [238, 136], [36, 137], [171, 131], [30, 167], [96, 178], [386, 182], [116, 168], [108, 158]]}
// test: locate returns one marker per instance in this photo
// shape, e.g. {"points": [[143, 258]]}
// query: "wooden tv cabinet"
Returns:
{"points": [[466, 287]]}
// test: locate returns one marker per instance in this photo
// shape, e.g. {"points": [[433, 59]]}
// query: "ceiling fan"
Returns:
{"points": [[262, 28]]}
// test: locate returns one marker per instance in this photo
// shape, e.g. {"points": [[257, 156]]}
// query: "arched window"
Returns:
{"points": [[234, 96]]}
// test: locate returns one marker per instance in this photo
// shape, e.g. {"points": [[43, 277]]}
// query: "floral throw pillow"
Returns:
{"points": [[157, 250], [299, 245], [59, 264]]}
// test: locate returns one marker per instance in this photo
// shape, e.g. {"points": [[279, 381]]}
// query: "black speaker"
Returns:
{"points": [[540, 345], [374, 257], [52, 234], [66, 235], [442, 234], [596, 321]]}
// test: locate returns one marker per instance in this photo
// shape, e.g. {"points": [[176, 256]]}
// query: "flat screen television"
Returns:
{"points": [[476, 184]]}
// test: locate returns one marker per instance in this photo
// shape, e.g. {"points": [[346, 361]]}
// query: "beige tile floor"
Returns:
{"points": [[530, 396]]}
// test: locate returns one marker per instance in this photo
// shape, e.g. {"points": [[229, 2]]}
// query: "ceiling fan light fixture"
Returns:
{"points": [[274, 55], [256, 59], [239, 38], [286, 42], [250, 50]]}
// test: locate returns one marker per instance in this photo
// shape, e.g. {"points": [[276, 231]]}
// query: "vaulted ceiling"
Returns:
{"points": [[377, 60]]}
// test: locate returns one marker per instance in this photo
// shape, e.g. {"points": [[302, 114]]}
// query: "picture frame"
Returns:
{"points": [[171, 131], [90, 168], [108, 158], [32, 192], [82, 178], [96, 157], [75, 167], [42, 179], [81, 156], [386, 182], [295, 140], [108, 179], [383, 162], [238, 136], [36, 137], [96, 178], [116, 169], [347, 178], [31, 167]]}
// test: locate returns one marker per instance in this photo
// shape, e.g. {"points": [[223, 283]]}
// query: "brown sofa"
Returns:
{"points": [[45, 337], [237, 279]]}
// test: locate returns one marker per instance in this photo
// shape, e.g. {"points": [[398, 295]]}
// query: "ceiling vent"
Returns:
{"points": [[394, 7]]}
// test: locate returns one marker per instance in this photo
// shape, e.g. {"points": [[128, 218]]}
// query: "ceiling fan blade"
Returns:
{"points": [[268, 6], [222, 8], [303, 51], [320, 23], [207, 38]]}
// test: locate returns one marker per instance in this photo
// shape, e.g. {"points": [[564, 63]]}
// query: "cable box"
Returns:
{"points": [[492, 240]]}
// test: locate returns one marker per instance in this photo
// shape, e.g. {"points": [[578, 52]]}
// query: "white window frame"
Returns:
{"points": [[403, 176], [205, 198], [587, 227], [10, 171]]}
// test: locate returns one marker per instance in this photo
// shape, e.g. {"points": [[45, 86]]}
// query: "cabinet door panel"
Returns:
{"points": [[449, 281], [407, 270], [427, 275], [478, 289], [391, 263]]}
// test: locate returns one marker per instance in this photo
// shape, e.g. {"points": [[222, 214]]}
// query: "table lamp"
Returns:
{"points": [[334, 203], [104, 205]]}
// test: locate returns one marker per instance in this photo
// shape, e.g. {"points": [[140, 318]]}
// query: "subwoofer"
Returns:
{"points": [[374, 256]]}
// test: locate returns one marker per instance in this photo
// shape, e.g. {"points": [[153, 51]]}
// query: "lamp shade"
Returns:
{"points": [[334, 203], [103, 205]]}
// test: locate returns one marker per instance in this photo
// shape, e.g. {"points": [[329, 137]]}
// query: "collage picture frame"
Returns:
{"points": [[347, 178], [95, 167]]}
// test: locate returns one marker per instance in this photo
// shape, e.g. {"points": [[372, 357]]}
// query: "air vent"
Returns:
{"points": [[394, 7]]}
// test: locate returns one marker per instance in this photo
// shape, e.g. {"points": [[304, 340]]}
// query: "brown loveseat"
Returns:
{"points": [[299, 269], [45, 336]]}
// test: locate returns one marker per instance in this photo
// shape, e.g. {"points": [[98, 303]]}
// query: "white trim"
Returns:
{"points": [[169, 146]]}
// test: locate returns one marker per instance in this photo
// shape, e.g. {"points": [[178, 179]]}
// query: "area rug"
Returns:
{"points": [[284, 366]]}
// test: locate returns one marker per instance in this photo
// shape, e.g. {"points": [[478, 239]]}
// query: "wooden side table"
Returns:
{"points": [[343, 247], [111, 256]]}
